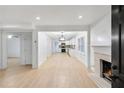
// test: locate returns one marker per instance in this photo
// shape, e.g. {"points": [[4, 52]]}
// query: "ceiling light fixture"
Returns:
{"points": [[37, 18], [62, 38], [10, 36], [79, 17]]}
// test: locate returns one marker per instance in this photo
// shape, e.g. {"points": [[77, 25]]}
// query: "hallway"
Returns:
{"points": [[60, 71]]}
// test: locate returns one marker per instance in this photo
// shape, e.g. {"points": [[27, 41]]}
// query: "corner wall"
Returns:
{"points": [[44, 47]]}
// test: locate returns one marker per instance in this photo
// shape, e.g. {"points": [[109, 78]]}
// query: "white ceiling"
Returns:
{"points": [[59, 18], [57, 35], [52, 15]]}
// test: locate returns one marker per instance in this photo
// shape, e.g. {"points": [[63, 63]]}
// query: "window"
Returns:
{"points": [[81, 44]]}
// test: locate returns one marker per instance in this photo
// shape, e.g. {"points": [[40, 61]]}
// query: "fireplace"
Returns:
{"points": [[106, 71]]}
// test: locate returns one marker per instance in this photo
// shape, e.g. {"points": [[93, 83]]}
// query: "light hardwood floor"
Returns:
{"points": [[59, 71]]}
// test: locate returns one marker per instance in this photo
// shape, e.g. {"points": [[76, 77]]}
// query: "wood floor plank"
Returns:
{"points": [[59, 71]]}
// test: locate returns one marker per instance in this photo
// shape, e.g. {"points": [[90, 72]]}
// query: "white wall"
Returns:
{"points": [[81, 56], [0, 51], [13, 47], [44, 47], [4, 50], [101, 37], [101, 32], [55, 46], [49, 46]]}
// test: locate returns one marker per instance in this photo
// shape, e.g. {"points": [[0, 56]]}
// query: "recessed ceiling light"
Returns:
{"points": [[79, 17], [37, 18]]}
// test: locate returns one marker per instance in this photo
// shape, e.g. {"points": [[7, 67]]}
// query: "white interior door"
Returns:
{"points": [[26, 48]]}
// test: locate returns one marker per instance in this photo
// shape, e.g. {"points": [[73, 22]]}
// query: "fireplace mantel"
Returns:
{"points": [[96, 77], [97, 57]]}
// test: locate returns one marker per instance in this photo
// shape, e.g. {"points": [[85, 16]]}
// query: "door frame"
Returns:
{"points": [[88, 54], [4, 58]]}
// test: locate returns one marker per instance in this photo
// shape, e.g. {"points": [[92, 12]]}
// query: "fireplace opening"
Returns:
{"points": [[106, 71]]}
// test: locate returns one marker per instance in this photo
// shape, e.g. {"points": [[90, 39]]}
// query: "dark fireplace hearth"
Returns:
{"points": [[106, 71]]}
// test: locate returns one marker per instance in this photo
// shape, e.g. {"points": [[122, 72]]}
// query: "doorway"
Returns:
{"points": [[72, 43], [18, 48], [13, 49]]}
